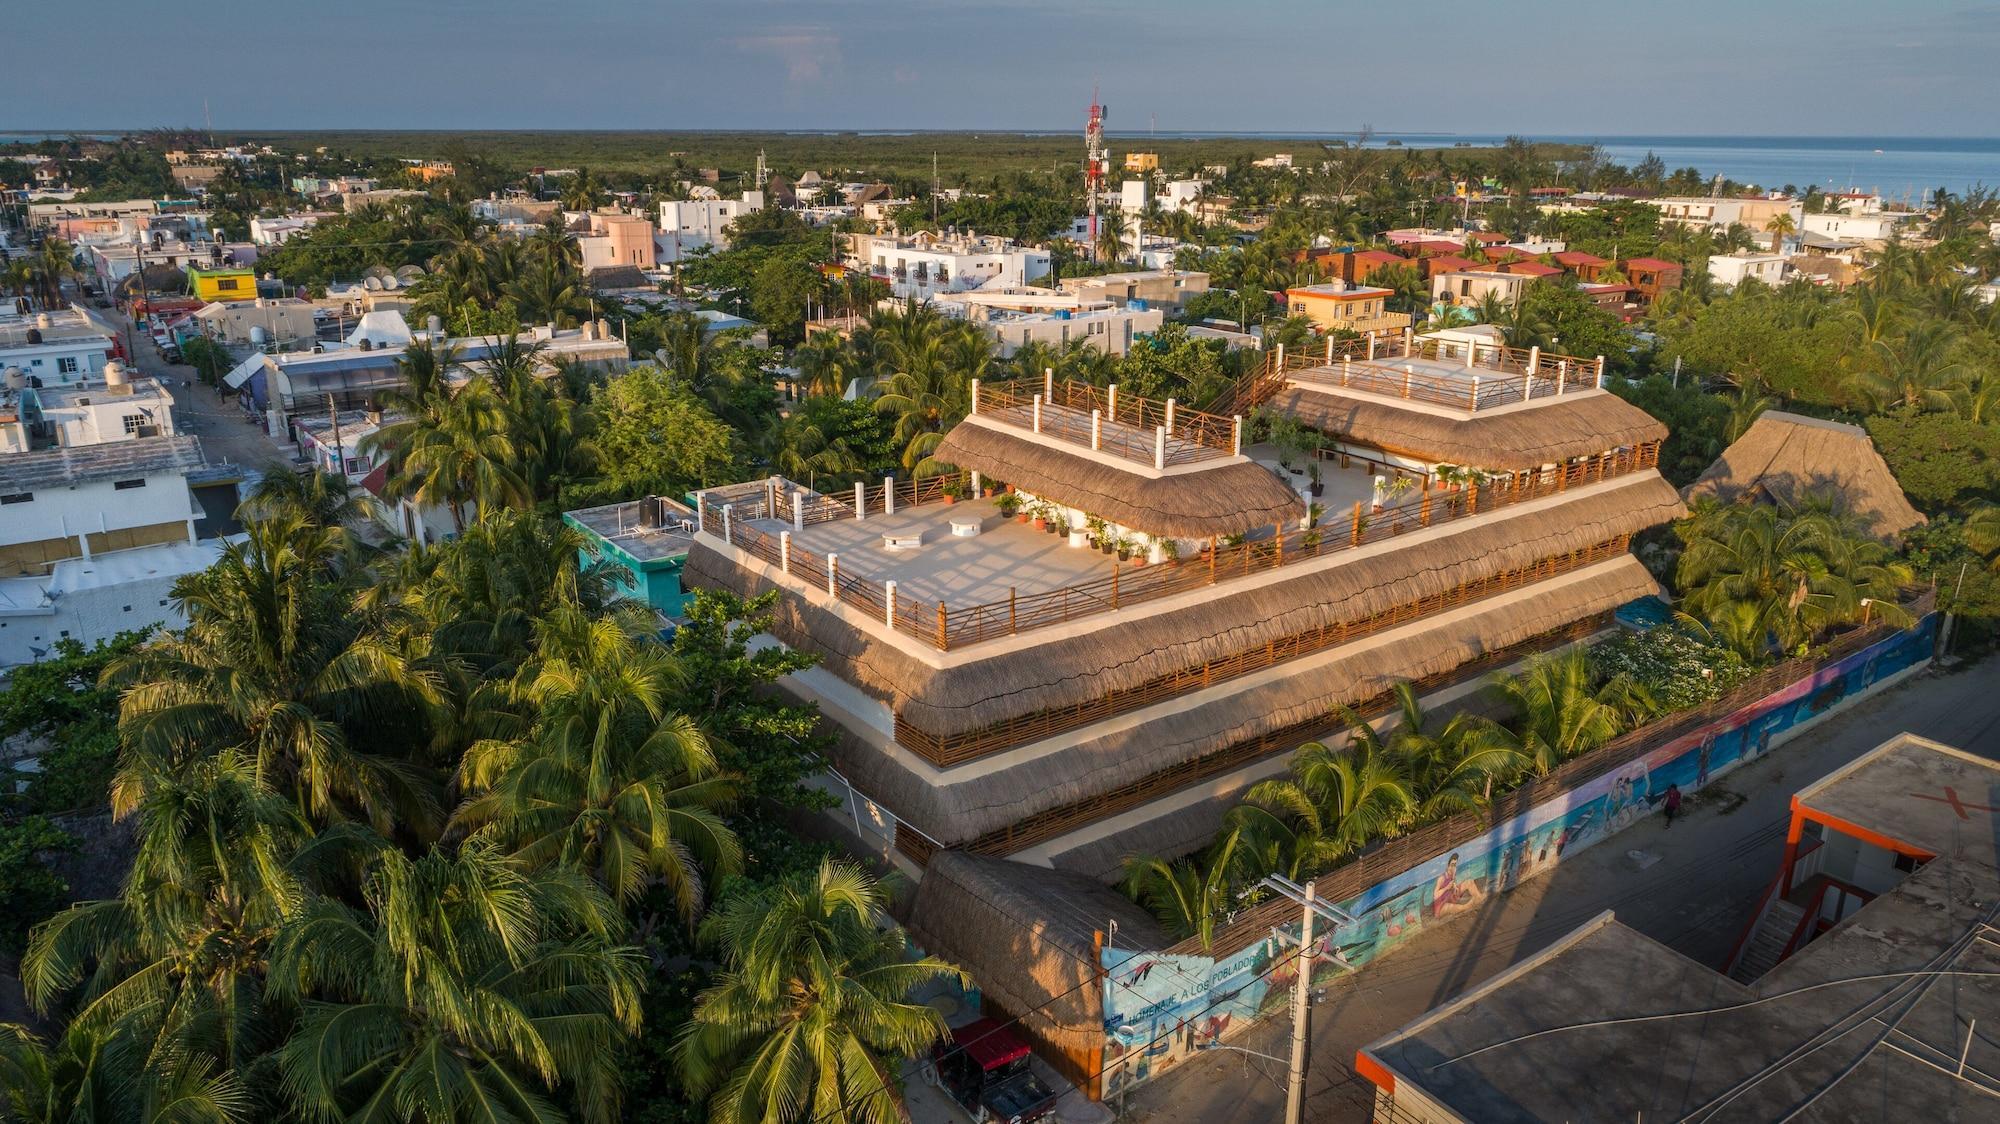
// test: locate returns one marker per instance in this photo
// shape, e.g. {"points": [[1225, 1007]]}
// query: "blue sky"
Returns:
{"points": [[1834, 67]]}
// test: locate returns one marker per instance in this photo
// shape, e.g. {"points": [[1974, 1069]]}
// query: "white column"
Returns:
{"points": [[726, 509], [1406, 341], [1527, 385], [1409, 374], [1236, 439], [1037, 419], [798, 511], [888, 495], [1562, 375], [1160, 446], [975, 396], [832, 574], [1281, 357], [1471, 355], [1600, 372], [701, 511], [1475, 392], [889, 602], [975, 485], [785, 552], [1097, 429], [1329, 351], [860, 502], [1049, 383], [1170, 416], [192, 540], [1535, 359], [1371, 346], [1111, 402], [1346, 366]]}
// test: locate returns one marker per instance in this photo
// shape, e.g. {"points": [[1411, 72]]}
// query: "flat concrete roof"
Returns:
{"points": [[1870, 1022], [1917, 792], [619, 524]]}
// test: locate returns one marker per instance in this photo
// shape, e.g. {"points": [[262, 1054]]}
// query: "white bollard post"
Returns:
{"points": [[1346, 368], [1527, 387], [832, 574], [726, 509], [1160, 447], [975, 396], [1170, 416], [1037, 419], [860, 502], [1371, 347], [889, 602], [1111, 402], [1471, 355], [1281, 357], [798, 511], [1329, 351], [1097, 429], [1475, 392], [1049, 383], [1600, 372], [784, 552], [701, 511], [888, 495], [1236, 438], [1535, 359], [1406, 341], [1562, 375], [1409, 374]]}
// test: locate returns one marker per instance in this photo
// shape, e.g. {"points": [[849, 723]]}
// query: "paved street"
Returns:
{"points": [[1702, 878], [225, 436]]}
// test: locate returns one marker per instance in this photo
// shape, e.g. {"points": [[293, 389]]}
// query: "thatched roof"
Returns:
{"points": [[1112, 651], [1578, 424], [1787, 458], [1226, 498], [1025, 933]]}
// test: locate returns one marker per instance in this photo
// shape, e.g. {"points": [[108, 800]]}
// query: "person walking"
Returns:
{"points": [[1673, 803]]}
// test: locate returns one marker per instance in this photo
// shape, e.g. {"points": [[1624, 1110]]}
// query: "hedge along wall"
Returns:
{"points": [[1162, 1005]]}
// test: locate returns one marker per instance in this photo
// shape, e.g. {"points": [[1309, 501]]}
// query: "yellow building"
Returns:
{"points": [[1341, 308], [429, 170], [1142, 161], [226, 284]]}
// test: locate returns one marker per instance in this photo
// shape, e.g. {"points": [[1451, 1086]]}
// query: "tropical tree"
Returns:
{"points": [[463, 988], [1191, 896], [929, 391], [810, 1014], [1336, 800], [470, 457], [1559, 711], [1802, 571], [94, 1076], [608, 779], [274, 664]]}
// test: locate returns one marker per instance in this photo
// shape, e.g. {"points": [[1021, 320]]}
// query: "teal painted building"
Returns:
{"points": [[646, 541]]}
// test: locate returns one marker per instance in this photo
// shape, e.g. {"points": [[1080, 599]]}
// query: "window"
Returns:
{"points": [[127, 485], [226, 284], [66, 364], [133, 422], [18, 497]]}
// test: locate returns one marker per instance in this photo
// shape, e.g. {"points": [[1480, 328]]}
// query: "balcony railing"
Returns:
{"points": [[947, 626], [1469, 376], [1137, 429]]}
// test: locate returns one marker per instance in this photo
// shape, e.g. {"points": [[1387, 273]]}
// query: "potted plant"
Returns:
{"points": [[1314, 468], [1098, 530], [954, 490], [1123, 546], [1008, 503], [1059, 524], [1170, 550], [1399, 486], [1038, 512]]}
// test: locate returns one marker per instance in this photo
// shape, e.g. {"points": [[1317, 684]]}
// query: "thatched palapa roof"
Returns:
{"points": [[1026, 934], [1550, 430], [1225, 498], [1789, 457], [1095, 656]]}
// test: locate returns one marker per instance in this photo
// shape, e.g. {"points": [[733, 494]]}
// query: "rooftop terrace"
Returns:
{"points": [[1134, 429], [1459, 374]]}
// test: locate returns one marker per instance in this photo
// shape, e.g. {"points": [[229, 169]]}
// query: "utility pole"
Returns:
{"points": [[339, 449], [1308, 901]]}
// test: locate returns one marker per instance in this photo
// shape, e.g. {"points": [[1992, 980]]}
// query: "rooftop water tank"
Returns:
{"points": [[258, 335], [115, 374], [42, 320], [16, 378]]}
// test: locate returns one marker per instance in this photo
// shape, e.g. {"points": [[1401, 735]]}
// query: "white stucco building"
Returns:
{"points": [[1734, 269], [687, 225], [926, 264]]}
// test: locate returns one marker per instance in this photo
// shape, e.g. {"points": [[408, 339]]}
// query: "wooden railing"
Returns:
{"points": [[948, 626], [1484, 375], [1127, 426], [1059, 821], [953, 749]]}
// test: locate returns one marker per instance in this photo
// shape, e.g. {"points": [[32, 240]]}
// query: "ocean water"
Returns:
{"points": [[1895, 166]]}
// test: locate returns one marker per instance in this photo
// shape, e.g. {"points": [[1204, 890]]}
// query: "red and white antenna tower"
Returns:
{"points": [[1097, 162]]}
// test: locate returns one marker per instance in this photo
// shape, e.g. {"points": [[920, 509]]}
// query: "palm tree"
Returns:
{"points": [[53, 265], [608, 780], [317, 497], [1919, 370], [929, 391], [1336, 800], [547, 292], [810, 1015], [826, 365], [93, 1076], [1452, 769], [1982, 532], [274, 664], [1780, 227], [1802, 571], [1748, 403], [464, 989], [468, 458], [1191, 896], [1559, 712], [174, 965], [1111, 242]]}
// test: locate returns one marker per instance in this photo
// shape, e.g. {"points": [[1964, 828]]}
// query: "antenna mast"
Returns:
{"points": [[1096, 163]]}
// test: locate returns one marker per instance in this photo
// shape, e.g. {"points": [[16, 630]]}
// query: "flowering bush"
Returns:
{"points": [[1675, 664]]}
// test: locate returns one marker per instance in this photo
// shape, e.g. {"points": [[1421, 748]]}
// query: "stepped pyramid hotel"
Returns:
{"points": [[1172, 610]]}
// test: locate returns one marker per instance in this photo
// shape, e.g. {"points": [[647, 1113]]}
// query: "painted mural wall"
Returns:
{"points": [[1159, 1008]]}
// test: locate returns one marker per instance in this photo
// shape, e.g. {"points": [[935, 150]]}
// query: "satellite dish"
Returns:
{"points": [[390, 282], [377, 272], [372, 284], [409, 273]]}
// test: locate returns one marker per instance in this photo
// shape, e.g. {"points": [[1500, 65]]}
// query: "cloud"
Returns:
{"points": [[806, 52]]}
